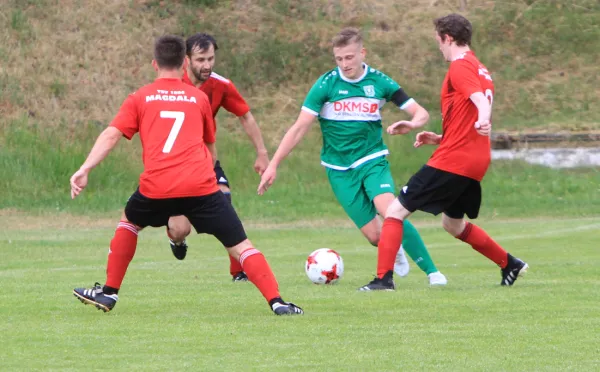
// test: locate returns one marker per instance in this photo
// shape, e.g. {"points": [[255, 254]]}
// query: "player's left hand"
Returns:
{"points": [[267, 179], [401, 127], [261, 163], [483, 127], [78, 182]]}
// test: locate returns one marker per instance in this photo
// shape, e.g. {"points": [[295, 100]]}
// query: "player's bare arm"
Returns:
{"points": [[291, 139], [420, 117], [253, 131], [484, 108], [106, 141]]}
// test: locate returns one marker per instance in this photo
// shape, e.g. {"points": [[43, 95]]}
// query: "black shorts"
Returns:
{"points": [[209, 214], [221, 177], [434, 191]]}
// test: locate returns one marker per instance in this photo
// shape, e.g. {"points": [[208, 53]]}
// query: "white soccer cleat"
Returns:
{"points": [[401, 266], [437, 278]]}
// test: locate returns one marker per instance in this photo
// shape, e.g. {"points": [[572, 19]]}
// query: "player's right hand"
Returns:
{"points": [[484, 127], [427, 138], [261, 163], [267, 179], [78, 182]]}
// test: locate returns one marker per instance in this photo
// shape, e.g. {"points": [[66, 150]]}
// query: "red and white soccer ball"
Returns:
{"points": [[324, 266]]}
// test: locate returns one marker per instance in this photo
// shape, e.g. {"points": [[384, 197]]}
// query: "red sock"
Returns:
{"points": [[122, 249], [389, 245], [235, 267], [259, 273], [482, 243]]}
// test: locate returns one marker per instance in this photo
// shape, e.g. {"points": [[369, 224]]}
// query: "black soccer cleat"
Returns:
{"points": [[240, 277], [287, 308], [513, 270], [95, 296], [384, 284], [179, 250]]}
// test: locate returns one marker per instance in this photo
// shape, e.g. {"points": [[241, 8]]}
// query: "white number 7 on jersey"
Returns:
{"points": [[179, 116]]}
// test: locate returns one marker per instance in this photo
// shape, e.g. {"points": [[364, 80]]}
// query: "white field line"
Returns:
{"points": [[366, 247]]}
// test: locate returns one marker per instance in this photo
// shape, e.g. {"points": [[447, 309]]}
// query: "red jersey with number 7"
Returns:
{"points": [[174, 121], [463, 151]]}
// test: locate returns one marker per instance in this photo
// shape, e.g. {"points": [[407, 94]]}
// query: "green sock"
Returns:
{"points": [[416, 250]]}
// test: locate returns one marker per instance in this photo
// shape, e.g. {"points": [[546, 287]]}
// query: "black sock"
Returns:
{"points": [[110, 290], [276, 300]]}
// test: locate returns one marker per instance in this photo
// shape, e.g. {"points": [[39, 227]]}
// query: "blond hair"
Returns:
{"points": [[347, 36]]}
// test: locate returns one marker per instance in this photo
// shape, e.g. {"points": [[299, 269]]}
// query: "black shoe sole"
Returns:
{"points": [[87, 301], [377, 290]]}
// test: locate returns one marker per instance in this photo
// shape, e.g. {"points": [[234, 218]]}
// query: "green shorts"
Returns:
{"points": [[356, 188]]}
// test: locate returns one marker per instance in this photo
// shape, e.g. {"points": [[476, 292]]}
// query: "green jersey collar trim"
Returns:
{"points": [[357, 163], [366, 67]]}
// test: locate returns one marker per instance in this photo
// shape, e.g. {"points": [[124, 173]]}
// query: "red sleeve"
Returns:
{"points": [[210, 129], [127, 119], [464, 77], [234, 102]]}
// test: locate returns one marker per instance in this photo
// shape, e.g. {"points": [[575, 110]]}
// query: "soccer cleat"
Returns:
{"points": [[240, 277], [95, 296], [513, 270], [437, 278], [401, 266], [384, 284], [179, 250], [287, 308]]}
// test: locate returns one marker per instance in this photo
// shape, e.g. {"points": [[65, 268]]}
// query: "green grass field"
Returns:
{"points": [[176, 315]]}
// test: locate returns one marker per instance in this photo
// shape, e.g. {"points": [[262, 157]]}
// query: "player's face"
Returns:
{"points": [[444, 46], [202, 62], [350, 59]]}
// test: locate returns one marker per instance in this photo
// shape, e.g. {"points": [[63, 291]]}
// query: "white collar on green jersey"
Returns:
{"points": [[365, 66]]}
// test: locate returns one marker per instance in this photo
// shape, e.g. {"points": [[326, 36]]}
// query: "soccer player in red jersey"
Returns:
{"points": [[450, 181], [221, 92], [177, 132]]}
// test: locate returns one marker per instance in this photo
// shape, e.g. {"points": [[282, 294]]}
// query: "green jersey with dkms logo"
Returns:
{"points": [[350, 117]]}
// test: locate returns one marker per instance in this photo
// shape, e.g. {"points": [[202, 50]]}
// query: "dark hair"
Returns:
{"points": [[456, 26], [347, 36], [169, 51], [200, 41]]}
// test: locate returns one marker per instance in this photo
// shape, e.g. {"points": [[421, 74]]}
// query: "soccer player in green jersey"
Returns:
{"points": [[347, 101]]}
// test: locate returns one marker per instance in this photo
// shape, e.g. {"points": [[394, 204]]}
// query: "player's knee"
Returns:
{"points": [[124, 219], [237, 249], [453, 226], [396, 210], [373, 237], [179, 228]]}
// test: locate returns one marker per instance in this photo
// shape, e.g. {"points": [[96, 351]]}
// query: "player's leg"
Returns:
{"points": [[413, 244], [453, 222], [379, 185], [139, 212], [213, 214], [348, 190], [419, 193], [388, 247], [235, 269], [178, 228]]}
